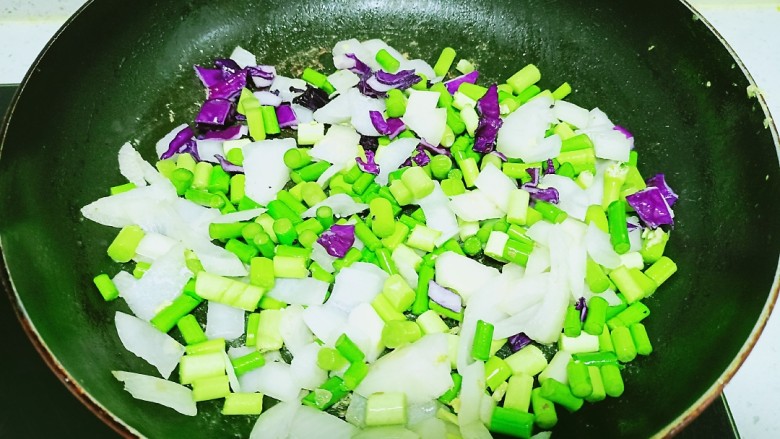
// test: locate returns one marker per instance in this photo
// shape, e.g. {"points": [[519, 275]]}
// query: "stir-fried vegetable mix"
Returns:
{"points": [[389, 250]]}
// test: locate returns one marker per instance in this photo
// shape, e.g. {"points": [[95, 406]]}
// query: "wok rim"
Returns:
{"points": [[123, 429]]}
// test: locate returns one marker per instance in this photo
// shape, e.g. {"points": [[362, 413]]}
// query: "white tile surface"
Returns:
{"points": [[751, 27]]}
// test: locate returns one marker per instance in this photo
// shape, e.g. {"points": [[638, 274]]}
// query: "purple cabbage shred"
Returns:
{"points": [[338, 239], [312, 98], [369, 143], [651, 207], [183, 142], [421, 158], [550, 168], [582, 308], [453, 84], [215, 112], [229, 133], [286, 116], [518, 341], [369, 165], [659, 181], [489, 123], [444, 297], [500, 155], [401, 80]]}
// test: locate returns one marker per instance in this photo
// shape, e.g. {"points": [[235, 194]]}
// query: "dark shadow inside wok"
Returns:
{"points": [[123, 71]]}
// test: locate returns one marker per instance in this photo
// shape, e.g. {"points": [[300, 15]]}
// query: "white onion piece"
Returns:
{"points": [[274, 379], [304, 367], [475, 430], [438, 215], [302, 114], [284, 86], [306, 291], [364, 327], [134, 207], [321, 256], [354, 47], [495, 185], [538, 261], [242, 215], [417, 413], [159, 391], [123, 281], [611, 297], [546, 326], [356, 284], [343, 80], [276, 422], [471, 390], [424, 118], [407, 262], [340, 145], [209, 148], [163, 144], [159, 286], [556, 369], [392, 156], [462, 274], [361, 108], [610, 144], [342, 205], [235, 386], [293, 329], [268, 98], [421, 370], [522, 133], [326, 322], [600, 248], [528, 292], [571, 114], [635, 240], [572, 198], [599, 119], [266, 173], [356, 412], [144, 340], [337, 111], [152, 246], [542, 435], [431, 428], [134, 168], [243, 57], [474, 206], [223, 321], [311, 423], [515, 323], [239, 351]]}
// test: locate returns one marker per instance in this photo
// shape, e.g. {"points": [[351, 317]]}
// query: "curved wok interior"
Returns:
{"points": [[123, 71]]}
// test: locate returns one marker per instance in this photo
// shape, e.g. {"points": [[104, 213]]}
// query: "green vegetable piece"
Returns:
{"points": [[197, 366], [512, 422], [248, 362], [526, 77], [387, 61], [243, 404], [483, 337], [122, 249], [354, 374], [560, 394], [596, 317], [496, 372], [106, 287], [632, 283], [443, 64], [452, 393], [579, 379], [661, 270], [181, 306], [349, 349], [398, 333], [396, 103], [545, 416], [598, 393], [623, 343], [597, 281], [190, 330], [641, 339], [572, 327], [421, 300], [612, 379], [245, 252], [386, 408]]}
